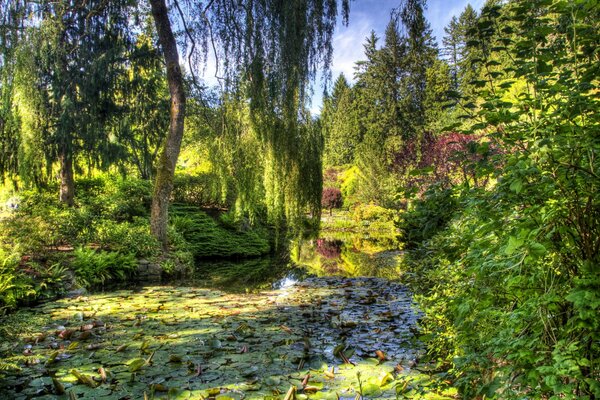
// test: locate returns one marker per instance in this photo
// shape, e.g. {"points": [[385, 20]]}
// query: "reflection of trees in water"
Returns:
{"points": [[329, 248], [242, 275], [349, 255]]}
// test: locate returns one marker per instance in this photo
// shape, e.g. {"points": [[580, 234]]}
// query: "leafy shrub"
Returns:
{"points": [[331, 198], [12, 286], [133, 237], [94, 268], [130, 198], [428, 215], [367, 213], [349, 187]]}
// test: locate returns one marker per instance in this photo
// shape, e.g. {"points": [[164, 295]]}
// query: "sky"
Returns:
{"points": [[367, 15]]}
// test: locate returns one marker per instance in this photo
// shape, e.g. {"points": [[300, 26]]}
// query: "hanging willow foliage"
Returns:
{"points": [[280, 177], [269, 52]]}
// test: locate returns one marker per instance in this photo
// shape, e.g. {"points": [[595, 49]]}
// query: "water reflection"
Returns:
{"points": [[330, 254], [348, 254]]}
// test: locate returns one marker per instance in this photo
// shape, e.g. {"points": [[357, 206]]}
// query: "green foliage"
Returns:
{"points": [[371, 212], [428, 215], [93, 268], [205, 237], [510, 286], [203, 190], [133, 237], [340, 124], [12, 288]]}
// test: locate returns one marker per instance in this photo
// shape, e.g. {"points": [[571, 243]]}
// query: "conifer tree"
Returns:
{"points": [[340, 124]]}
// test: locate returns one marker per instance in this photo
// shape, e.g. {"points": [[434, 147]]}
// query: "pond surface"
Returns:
{"points": [[330, 325]]}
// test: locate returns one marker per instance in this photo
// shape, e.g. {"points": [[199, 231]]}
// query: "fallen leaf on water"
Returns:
{"points": [[305, 380], [84, 379], [121, 348], [157, 387], [52, 358], [73, 346], [286, 329], [291, 393], [66, 334], [174, 358], [86, 327], [329, 374], [58, 387], [311, 389], [136, 364], [102, 373]]}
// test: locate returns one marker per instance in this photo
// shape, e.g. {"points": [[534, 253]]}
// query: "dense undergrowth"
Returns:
{"points": [[47, 248], [507, 273]]}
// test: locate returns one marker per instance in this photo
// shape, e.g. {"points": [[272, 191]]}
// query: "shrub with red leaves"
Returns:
{"points": [[451, 159], [331, 198]]}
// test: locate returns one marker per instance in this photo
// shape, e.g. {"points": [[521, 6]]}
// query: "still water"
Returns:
{"points": [[345, 254]]}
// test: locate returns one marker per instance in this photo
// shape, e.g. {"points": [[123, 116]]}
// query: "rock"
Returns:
{"points": [[76, 292]]}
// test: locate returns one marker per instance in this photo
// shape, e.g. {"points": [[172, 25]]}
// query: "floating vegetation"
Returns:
{"points": [[321, 338]]}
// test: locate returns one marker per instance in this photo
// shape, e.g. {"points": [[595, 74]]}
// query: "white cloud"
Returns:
{"points": [[348, 45]]}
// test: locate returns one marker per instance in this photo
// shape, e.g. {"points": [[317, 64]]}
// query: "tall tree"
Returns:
{"points": [[339, 121], [453, 43], [275, 47], [165, 172], [66, 66]]}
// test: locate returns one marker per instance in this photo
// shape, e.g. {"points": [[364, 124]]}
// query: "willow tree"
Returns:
{"points": [[275, 48], [12, 28]]}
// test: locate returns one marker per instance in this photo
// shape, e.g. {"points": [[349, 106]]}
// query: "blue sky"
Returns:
{"points": [[367, 15]]}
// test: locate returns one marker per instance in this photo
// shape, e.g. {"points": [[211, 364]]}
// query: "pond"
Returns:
{"points": [[328, 324]]}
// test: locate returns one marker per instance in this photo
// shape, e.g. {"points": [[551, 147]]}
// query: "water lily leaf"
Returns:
{"points": [[273, 381], [371, 390], [136, 364]]}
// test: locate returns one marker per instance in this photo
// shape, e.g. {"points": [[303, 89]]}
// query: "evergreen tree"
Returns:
{"points": [[453, 46], [340, 124], [67, 65]]}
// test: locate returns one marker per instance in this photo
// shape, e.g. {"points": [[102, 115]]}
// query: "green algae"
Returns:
{"points": [[194, 343]]}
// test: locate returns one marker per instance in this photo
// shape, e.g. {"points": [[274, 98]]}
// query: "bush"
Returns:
{"points": [[12, 287], [132, 237], [94, 268], [331, 198], [428, 216], [129, 198], [367, 213], [349, 186]]}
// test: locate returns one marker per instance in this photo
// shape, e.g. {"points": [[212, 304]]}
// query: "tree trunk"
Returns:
{"points": [[166, 166], [67, 183]]}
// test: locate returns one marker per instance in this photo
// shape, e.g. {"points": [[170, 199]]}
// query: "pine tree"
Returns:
{"points": [[340, 124]]}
